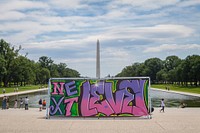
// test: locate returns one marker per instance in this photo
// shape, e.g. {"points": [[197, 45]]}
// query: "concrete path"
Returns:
{"points": [[174, 120], [178, 92], [22, 92]]}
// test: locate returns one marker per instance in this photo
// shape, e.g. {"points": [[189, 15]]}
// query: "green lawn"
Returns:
{"points": [[191, 89], [20, 88]]}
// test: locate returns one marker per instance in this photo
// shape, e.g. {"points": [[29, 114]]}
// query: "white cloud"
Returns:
{"points": [[65, 4], [188, 3], [157, 33], [115, 52], [149, 4], [59, 44], [12, 15], [22, 5], [77, 60], [164, 32], [174, 47]]}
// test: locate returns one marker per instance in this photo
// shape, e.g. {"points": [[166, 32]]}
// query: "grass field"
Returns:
{"points": [[191, 89], [21, 88]]}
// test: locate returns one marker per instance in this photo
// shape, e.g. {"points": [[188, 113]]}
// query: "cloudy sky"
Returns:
{"points": [[129, 31]]}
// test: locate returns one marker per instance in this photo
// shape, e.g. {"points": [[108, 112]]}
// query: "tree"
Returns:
{"points": [[23, 70], [193, 63], [45, 62], [43, 75], [171, 62], [161, 76], [7, 57], [152, 66]]}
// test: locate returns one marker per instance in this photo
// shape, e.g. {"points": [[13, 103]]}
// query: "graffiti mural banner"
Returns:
{"points": [[78, 97]]}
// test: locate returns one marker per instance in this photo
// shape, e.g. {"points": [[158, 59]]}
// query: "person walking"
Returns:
{"points": [[40, 104], [26, 103], [162, 106]]}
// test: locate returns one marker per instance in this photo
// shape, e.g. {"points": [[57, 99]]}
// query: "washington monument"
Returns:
{"points": [[98, 61]]}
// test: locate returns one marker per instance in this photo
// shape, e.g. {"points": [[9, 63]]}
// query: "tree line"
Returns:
{"points": [[16, 69], [172, 70]]}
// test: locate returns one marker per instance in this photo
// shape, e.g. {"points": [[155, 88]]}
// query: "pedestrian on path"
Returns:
{"points": [[44, 104], [15, 105], [40, 104], [21, 103], [26, 103], [7, 102], [162, 106], [4, 102]]}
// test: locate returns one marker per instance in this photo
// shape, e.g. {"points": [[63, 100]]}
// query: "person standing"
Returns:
{"points": [[7, 102], [162, 106], [44, 104], [4, 91], [15, 105], [21, 103], [4, 102], [40, 104], [26, 103]]}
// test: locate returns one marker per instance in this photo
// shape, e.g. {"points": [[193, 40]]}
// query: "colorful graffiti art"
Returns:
{"points": [[91, 97]]}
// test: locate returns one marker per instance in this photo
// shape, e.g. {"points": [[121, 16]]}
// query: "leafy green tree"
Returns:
{"points": [[43, 75], [23, 70], [171, 62], [152, 66], [193, 64], [45, 62], [7, 57], [71, 73], [161, 76]]}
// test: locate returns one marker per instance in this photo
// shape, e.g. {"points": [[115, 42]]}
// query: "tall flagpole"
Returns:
{"points": [[98, 60]]}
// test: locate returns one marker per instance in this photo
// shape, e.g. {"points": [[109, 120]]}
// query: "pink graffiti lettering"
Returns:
{"points": [[127, 99], [58, 88], [69, 103]]}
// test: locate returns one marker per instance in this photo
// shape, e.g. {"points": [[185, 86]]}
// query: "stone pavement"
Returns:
{"points": [[174, 120]]}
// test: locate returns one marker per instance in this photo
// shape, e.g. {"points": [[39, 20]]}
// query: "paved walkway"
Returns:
{"points": [[22, 92], [174, 120], [184, 93]]}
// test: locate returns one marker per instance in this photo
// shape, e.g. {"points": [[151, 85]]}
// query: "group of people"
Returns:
{"points": [[42, 104], [167, 88], [16, 89], [22, 103], [5, 103]]}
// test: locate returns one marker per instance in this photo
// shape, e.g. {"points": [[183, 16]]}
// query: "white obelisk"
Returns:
{"points": [[98, 61]]}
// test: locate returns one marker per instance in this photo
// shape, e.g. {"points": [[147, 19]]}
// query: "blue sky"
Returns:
{"points": [[129, 31]]}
